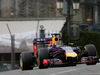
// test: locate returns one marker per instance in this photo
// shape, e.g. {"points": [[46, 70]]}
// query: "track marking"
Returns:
{"points": [[99, 59], [64, 72], [92, 73]]}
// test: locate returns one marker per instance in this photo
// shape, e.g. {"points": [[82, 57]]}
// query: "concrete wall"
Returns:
{"points": [[27, 26]]}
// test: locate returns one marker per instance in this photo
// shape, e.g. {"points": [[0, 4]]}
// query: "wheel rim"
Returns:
{"points": [[38, 59], [21, 62]]}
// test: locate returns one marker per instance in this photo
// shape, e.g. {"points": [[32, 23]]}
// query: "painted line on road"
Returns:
{"points": [[98, 63], [92, 73], [64, 72]]}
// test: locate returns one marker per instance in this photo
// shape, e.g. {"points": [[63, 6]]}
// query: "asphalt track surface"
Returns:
{"points": [[80, 69]]}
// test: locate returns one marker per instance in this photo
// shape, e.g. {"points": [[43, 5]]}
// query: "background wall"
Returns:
{"points": [[27, 26]]}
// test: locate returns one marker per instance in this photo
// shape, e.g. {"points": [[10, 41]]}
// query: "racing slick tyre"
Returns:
{"points": [[26, 61], [42, 54], [73, 64], [94, 63], [91, 49]]}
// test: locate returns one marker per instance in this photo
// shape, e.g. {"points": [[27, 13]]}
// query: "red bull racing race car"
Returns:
{"points": [[51, 51]]}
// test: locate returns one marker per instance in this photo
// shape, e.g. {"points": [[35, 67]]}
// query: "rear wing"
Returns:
{"points": [[42, 40]]}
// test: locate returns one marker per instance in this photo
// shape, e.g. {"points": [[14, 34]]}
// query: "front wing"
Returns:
{"points": [[90, 59], [55, 62]]}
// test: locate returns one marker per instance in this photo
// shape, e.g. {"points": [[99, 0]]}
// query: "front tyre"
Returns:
{"points": [[73, 64], [94, 63], [91, 49]]}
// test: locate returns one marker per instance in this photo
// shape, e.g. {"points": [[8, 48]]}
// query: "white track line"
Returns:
{"points": [[92, 73], [64, 72]]}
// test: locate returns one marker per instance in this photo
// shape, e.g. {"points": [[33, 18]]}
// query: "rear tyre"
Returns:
{"points": [[91, 49], [42, 54], [26, 61]]}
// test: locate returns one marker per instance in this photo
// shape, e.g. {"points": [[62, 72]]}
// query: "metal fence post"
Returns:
{"points": [[12, 52], [12, 49]]}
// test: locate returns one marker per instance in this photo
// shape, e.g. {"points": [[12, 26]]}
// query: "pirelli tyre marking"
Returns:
{"points": [[38, 58], [21, 62]]}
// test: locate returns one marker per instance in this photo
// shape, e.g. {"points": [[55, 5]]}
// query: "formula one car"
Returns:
{"points": [[45, 56], [51, 52]]}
